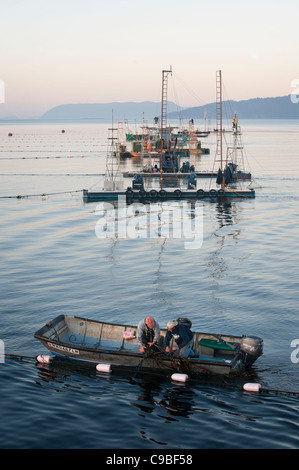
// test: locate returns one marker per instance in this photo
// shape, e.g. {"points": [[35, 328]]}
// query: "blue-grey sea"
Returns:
{"points": [[243, 279]]}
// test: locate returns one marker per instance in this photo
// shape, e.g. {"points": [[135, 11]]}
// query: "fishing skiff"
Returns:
{"points": [[116, 344]]}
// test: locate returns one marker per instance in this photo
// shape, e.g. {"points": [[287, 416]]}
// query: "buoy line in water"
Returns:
{"points": [[254, 388], [48, 158], [20, 357], [47, 150], [19, 196], [52, 174]]}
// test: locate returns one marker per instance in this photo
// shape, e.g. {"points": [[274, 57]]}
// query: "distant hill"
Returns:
{"points": [[103, 111], [257, 108]]}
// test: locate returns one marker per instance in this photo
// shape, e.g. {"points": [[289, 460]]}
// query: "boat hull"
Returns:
{"points": [[96, 342]]}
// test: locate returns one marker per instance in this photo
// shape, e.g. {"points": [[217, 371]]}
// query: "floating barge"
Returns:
{"points": [[163, 195], [169, 171]]}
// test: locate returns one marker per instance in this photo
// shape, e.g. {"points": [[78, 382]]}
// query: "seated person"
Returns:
{"points": [[183, 337]]}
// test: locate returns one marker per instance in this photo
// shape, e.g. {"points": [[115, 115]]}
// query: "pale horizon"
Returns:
{"points": [[71, 52]]}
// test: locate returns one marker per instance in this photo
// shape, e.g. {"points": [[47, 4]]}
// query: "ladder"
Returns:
{"points": [[164, 133], [219, 129], [113, 178], [219, 117]]}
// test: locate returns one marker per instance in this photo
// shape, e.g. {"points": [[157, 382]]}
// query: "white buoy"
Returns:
{"points": [[103, 367], [44, 359], [251, 387], [180, 377]]}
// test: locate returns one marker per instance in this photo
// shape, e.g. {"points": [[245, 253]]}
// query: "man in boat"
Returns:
{"points": [[148, 333], [183, 337]]}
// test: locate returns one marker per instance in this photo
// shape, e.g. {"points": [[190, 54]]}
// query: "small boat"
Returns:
{"points": [[116, 345]]}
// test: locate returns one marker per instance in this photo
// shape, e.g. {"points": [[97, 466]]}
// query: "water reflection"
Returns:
{"points": [[162, 408], [149, 395], [64, 375], [226, 212], [179, 401], [146, 401], [176, 400], [221, 245]]}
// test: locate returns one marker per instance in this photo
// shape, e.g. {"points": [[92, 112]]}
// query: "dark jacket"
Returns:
{"points": [[181, 334]]}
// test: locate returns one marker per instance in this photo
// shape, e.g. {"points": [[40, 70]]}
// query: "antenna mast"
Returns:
{"points": [[165, 74], [164, 131], [219, 120]]}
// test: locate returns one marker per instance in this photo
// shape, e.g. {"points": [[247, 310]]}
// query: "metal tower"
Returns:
{"points": [[164, 132], [219, 117]]}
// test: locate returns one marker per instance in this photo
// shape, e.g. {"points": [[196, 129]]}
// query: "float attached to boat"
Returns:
{"points": [[116, 345]]}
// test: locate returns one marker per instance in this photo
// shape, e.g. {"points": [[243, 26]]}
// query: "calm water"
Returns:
{"points": [[243, 280]]}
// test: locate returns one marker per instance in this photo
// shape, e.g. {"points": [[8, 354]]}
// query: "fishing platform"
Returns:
{"points": [[145, 186]]}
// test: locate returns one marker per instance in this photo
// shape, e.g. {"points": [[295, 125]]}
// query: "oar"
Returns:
{"points": [[225, 342]]}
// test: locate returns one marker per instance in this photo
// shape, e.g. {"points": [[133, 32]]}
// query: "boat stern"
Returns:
{"points": [[251, 348]]}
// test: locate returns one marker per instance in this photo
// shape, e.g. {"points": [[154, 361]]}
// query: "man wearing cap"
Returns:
{"points": [[183, 337], [148, 333]]}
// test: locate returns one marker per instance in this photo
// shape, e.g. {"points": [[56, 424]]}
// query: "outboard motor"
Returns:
{"points": [[252, 348]]}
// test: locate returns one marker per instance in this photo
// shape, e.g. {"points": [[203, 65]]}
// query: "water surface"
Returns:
{"points": [[243, 280]]}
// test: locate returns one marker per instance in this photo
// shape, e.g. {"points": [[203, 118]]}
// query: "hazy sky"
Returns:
{"points": [[54, 52]]}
